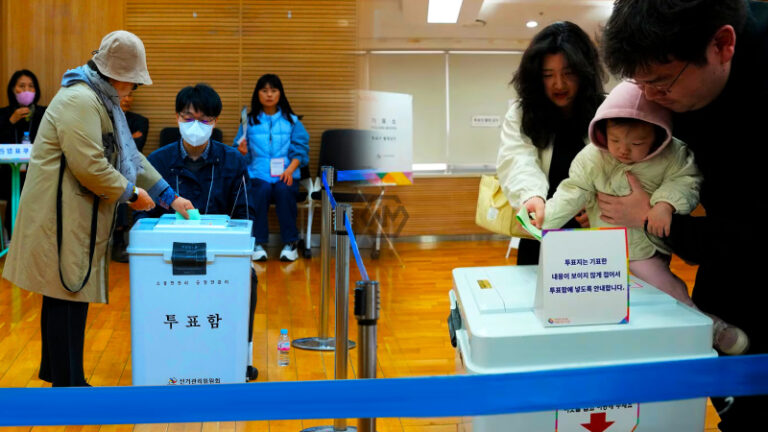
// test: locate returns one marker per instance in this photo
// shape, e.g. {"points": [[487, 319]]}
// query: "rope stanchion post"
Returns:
{"points": [[367, 303], [324, 341], [342, 343], [343, 211]]}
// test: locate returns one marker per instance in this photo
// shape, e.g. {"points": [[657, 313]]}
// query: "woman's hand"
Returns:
{"points": [[536, 205], [19, 114], [287, 176], [143, 202], [242, 146]]}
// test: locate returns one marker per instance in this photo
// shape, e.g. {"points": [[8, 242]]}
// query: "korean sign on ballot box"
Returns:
{"points": [[583, 277]]}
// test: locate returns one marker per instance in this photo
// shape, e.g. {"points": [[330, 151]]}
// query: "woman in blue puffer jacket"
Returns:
{"points": [[275, 145]]}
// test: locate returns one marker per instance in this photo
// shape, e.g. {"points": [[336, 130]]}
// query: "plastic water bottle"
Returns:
{"points": [[283, 348]]}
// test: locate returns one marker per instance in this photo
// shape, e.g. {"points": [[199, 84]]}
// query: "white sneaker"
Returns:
{"points": [[290, 252], [259, 254]]}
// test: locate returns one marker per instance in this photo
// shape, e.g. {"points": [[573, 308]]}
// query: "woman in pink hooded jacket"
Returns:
{"points": [[630, 134]]}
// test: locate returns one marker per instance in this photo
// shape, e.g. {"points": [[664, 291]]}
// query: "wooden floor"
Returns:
{"points": [[413, 335]]}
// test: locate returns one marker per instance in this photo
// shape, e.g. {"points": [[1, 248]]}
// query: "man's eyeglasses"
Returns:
{"points": [[187, 117], [135, 86], [662, 88]]}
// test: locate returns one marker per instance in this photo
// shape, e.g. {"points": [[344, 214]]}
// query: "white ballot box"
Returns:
{"points": [[496, 330], [190, 293]]}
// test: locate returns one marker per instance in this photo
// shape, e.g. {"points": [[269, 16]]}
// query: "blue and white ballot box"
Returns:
{"points": [[190, 293], [496, 330]]}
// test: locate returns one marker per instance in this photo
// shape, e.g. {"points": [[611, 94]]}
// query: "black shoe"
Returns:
{"points": [[119, 253]]}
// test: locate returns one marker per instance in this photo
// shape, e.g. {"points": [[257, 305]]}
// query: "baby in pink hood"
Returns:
{"points": [[630, 134]]}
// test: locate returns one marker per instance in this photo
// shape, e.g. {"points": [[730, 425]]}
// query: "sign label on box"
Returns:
{"points": [[610, 418], [583, 277]]}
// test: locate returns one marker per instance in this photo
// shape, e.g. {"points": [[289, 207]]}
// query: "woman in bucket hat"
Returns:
{"points": [[84, 162]]}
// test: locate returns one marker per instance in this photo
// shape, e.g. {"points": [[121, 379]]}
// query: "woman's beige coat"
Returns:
{"points": [[75, 124]]}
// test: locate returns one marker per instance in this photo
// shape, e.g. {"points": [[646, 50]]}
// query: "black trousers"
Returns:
{"points": [[62, 325]]}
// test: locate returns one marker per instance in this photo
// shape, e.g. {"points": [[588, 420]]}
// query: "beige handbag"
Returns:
{"points": [[494, 212]]}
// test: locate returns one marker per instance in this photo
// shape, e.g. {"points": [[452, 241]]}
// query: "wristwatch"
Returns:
{"points": [[134, 196]]}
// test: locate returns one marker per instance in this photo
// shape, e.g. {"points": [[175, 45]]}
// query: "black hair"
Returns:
{"points": [[201, 97], [641, 33], [273, 81], [659, 133], [541, 116], [12, 84]]}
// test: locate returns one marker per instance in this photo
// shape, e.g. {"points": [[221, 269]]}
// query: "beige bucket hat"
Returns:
{"points": [[121, 56]]}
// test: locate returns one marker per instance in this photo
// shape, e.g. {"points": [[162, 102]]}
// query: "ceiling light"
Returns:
{"points": [[443, 11], [531, 24]]}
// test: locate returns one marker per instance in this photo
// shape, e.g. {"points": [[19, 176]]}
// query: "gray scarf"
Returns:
{"points": [[129, 160]]}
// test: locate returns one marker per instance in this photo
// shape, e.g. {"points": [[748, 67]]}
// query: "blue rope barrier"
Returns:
{"points": [[355, 175], [355, 250], [348, 225], [395, 397], [328, 191]]}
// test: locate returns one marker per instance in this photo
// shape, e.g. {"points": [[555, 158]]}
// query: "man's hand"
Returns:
{"points": [[242, 146], [629, 211], [660, 219], [144, 202], [535, 205], [582, 218], [181, 205]]}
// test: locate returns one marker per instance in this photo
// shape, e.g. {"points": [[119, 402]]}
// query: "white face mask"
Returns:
{"points": [[195, 133]]}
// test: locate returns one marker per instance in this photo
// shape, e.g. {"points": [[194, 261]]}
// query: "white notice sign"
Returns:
{"points": [[583, 277], [15, 152], [611, 418]]}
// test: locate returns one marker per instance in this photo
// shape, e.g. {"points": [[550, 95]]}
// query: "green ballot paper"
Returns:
{"points": [[194, 214], [525, 222]]}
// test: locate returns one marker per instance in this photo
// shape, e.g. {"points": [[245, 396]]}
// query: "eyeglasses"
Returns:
{"points": [[187, 117], [135, 86], [664, 89]]}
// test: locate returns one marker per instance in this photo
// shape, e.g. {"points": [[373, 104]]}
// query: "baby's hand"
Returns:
{"points": [[660, 219]]}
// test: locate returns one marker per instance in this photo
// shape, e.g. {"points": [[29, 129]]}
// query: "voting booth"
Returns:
{"points": [[522, 319], [190, 293]]}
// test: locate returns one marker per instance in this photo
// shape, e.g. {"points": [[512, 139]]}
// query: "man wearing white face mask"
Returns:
{"points": [[210, 174]]}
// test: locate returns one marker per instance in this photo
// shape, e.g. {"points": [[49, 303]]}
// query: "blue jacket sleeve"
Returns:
{"points": [[156, 195], [299, 148]]}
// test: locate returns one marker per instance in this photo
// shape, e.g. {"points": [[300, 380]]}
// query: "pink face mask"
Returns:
{"points": [[25, 98]]}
